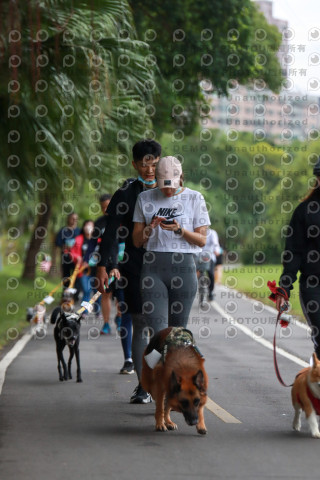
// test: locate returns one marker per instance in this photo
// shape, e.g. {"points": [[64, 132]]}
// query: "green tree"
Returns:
{"points": [[294, 183], [74, 96], [202, 47], [251, 188]]}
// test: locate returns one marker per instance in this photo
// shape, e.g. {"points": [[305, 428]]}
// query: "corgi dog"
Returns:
{"points": [[306, 396]]}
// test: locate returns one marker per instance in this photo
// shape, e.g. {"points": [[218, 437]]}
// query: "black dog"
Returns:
{"points": [[66, 332]]}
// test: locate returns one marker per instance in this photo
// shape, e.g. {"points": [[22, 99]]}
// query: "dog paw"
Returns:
{"points": [[316, 435], [297, 427], [79, 380], [161, 428], [171, 426], [202, 431]]}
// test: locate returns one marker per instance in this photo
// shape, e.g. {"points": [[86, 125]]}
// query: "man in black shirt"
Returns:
{"points": [[146, 154]]}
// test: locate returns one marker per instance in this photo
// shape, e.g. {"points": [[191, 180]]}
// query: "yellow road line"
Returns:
{"points": [[220, 412]]}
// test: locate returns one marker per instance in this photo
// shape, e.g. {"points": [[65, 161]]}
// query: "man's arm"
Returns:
{"points": [[108, 248]]}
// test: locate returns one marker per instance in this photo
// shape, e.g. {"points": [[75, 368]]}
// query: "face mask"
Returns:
{"points": [[147, 182]]}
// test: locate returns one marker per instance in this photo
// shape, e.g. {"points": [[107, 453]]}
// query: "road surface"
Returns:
{"points": [[50, 429]]}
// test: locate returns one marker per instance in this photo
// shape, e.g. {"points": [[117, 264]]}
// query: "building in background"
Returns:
{"points": [[286, 116], [266, 7], [283, 117]]}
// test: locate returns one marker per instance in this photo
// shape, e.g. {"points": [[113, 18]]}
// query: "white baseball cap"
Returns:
{"points": [[168, 172]]}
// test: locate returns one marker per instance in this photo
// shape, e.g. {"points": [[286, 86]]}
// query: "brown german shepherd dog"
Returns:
{"points": [[178, 381]]}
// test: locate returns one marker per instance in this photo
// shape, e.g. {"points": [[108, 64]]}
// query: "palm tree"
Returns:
{"points": [[74, 87]]}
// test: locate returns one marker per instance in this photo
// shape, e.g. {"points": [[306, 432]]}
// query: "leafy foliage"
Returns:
{"points": [[73, 98], [199, 48], [77, 98], [251, 188]]}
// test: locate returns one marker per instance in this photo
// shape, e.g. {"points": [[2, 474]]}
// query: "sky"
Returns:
{"points": [[304, 21]]}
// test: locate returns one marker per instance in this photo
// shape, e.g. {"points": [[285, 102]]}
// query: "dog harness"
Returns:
{"points": [[179, 337], [314, 400]]}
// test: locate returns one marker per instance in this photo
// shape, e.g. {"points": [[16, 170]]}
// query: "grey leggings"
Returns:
{"points": [[168, 286]]}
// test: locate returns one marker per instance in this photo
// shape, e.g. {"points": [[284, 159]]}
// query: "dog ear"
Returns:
{"points": [[198, 381], [175, 384]]}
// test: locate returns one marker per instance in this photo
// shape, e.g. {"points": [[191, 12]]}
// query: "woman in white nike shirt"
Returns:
{"points": [[171, 221]]}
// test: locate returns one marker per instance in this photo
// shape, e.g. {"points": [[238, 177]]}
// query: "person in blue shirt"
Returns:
{"points": [[65, 240]]}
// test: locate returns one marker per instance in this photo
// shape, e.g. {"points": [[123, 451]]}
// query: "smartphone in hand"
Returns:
{"points": [[168, 222]]}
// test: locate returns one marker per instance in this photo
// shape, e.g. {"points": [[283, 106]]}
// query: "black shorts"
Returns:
{"points": [[219, 260]]}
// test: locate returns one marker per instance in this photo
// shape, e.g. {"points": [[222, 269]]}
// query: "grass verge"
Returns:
{"points": [[16, 296], [252, 280]]}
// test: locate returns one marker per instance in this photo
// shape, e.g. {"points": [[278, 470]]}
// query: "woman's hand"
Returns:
{"points": [[142, 232], [197, 237], [156, 221], [171, 227]]}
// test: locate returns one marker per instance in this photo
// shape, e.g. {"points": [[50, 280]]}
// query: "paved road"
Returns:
{"points": [[50, 429]]}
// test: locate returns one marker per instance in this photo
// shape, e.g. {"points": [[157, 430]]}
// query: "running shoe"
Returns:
{"points": [[140, 396], [210, 297], [127, 368], [106, 330]]}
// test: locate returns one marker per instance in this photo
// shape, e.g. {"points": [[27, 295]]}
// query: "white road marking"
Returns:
{"points": [[270, 309], [262, 341], [11, 355], [213, 407], [225, 416]]}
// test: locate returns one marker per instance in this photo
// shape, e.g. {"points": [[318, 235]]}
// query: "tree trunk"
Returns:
{"points": [[39, 234], [55, 266]]}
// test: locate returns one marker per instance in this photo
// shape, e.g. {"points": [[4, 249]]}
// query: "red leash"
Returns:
{"points": [[276, 367], [282, 293]]}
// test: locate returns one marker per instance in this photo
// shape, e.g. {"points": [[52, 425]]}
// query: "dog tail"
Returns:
{"points": [[54, 315]]}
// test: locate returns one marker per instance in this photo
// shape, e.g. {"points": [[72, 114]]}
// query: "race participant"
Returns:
{"points": [[207, 259], [302, 254], [146, 154], [171, 221]]}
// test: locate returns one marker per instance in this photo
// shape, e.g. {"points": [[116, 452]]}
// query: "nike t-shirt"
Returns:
{"points": [[188, 208]]}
